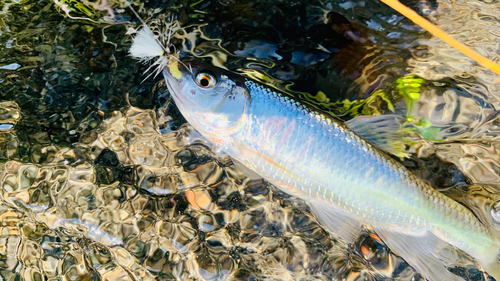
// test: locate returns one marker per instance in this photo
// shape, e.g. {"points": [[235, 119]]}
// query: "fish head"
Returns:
{"points": [[212, 100]]}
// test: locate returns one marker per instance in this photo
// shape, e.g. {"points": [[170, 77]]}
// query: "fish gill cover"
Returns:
{"points": [[101, 180]]}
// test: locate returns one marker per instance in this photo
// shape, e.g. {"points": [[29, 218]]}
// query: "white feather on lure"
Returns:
{"points": [[146, 47]]}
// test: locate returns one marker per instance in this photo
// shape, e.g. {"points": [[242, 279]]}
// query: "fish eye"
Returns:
{"points": [[205, 80]]}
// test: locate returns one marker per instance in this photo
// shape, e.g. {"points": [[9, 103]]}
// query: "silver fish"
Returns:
{"points": [[347, 181]]}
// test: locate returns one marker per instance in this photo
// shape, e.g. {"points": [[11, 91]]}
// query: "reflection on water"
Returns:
{"points": [[163, 205], [100, 179]]}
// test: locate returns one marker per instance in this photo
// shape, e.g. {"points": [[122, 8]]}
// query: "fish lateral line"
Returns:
{"points": [[413, 248]]}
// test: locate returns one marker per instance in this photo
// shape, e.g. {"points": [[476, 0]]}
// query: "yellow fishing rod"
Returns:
{"points": [[425, 24]]}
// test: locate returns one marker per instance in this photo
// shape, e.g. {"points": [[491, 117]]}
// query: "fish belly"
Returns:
{"points": [[348, 181]]}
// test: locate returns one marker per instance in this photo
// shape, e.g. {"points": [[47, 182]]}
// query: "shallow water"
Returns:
{"points": [[101, 178]]}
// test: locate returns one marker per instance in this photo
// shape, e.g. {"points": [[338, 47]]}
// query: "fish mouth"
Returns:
{"points": [[171, 88], [172, 91]]}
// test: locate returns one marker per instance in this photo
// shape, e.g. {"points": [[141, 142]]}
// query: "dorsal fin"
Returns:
{"points": [[381, 131]]}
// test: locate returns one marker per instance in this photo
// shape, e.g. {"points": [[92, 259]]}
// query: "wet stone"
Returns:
{"points": [[141, 121], [147, 151], [201, 199], [9, 112], [107, 158], [206, 222], [375, 251], [159, 182]]}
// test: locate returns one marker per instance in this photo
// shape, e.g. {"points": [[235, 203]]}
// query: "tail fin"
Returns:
{"points": [[493, 268], [481, 200]]}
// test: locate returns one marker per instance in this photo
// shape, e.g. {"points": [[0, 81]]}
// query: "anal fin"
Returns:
{"points": [[343, 224], [426, 253]]}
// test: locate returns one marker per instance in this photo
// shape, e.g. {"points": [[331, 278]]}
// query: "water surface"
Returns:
{"points": [[101, 179]]}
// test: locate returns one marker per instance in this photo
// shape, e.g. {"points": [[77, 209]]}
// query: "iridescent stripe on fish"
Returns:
{"points": [[346, 179]]}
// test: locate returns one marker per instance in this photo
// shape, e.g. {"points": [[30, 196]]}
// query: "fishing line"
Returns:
{"points": [[427, 25], [420, 21]]}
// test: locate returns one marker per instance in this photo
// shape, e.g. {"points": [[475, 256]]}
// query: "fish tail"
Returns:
{"points": [[492, 267], [474, 198], [489, 259]]}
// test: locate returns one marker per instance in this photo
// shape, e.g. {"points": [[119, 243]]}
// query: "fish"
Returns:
{"points": [[338, 168]]}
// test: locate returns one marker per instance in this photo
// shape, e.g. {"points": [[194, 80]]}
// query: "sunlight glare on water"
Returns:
{"points": [[101, 179]]}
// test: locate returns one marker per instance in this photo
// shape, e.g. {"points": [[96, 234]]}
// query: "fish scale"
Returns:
{"points": [[346, 180], [332, 150]]}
